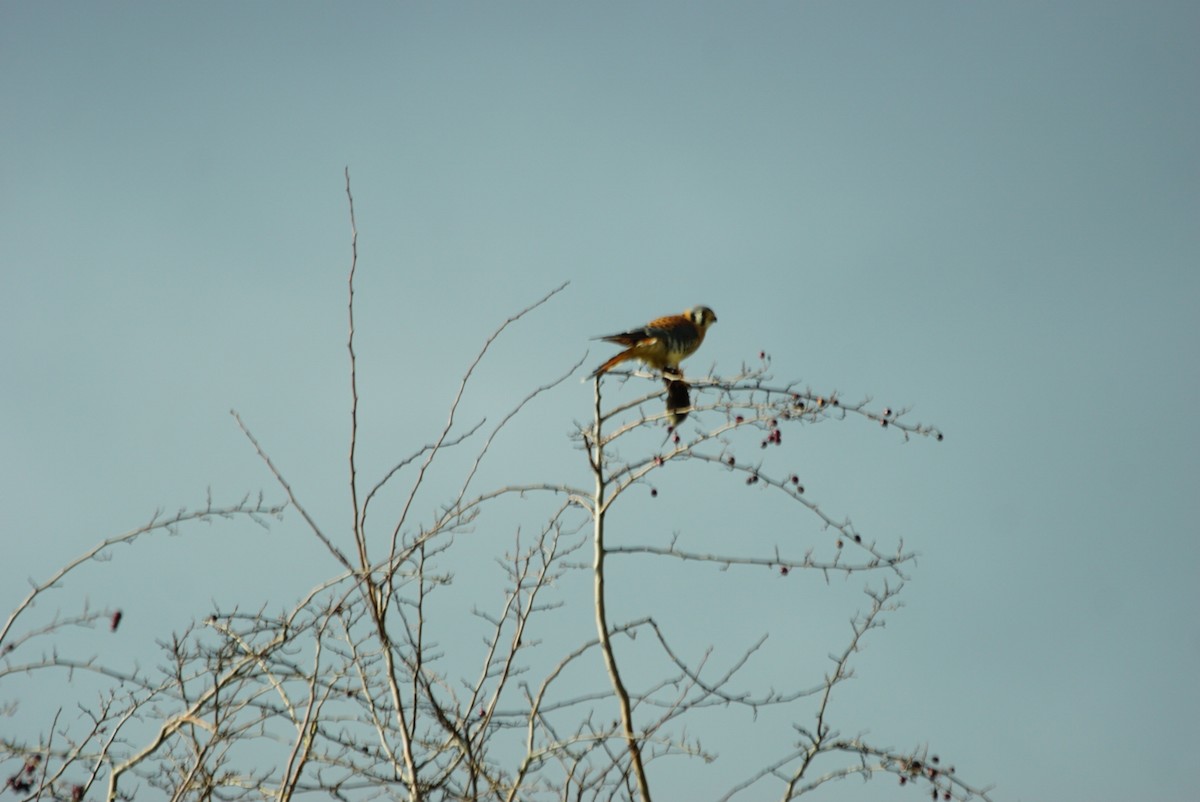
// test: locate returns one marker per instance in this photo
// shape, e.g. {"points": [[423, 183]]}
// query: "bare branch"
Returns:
{"points": [[413, 672], [462, 386]]}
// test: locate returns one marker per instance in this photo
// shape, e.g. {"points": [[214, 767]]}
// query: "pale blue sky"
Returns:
{"points": [[989, 211]]}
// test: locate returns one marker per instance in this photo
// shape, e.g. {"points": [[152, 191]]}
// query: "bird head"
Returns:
{"points": [[702, 316]]}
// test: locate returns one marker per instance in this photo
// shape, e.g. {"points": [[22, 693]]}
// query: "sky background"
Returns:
{"points": [[987, 211]]}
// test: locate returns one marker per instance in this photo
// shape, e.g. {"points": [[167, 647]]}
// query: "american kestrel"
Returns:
{"points": [[662, 343]]}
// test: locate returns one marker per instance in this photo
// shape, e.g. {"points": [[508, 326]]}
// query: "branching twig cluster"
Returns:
{"points": [[372, 685]]}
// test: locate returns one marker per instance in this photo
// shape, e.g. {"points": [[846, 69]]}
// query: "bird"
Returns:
{"points": [[662, 343]]}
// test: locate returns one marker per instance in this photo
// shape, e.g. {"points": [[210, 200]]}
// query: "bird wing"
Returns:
{"points": [[628, 338], [651, 331]]}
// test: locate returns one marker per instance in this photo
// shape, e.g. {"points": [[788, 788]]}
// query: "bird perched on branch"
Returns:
{"points": [[662, 343]]}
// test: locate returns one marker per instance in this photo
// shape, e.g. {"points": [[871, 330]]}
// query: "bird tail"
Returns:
{"points": [[612, 363]]}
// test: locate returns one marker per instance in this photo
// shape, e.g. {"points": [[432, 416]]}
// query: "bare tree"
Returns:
{"points": [[365, 688]]}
